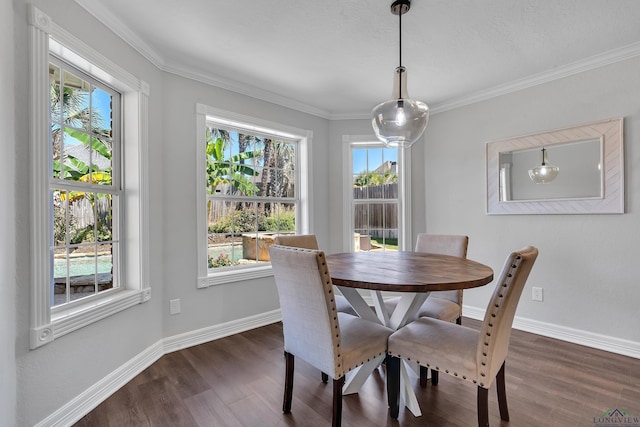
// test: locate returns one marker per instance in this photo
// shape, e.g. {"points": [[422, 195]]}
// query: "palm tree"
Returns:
{"points": [[71, 105], [278, 161], [72, 118], [266, 171], [227, 171]]}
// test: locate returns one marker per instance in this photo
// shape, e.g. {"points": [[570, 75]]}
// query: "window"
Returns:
{"points": [[374, 196], [84, 196], [252, 189], [84, 184]]}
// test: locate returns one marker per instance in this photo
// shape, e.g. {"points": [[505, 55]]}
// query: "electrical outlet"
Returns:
{"points": [[174, 306], [536, 293]]}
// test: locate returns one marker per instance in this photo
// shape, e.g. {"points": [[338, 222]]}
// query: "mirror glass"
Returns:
{"points": [[579, 171], [575, 170]]}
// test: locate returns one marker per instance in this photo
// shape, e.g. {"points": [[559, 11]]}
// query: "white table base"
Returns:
{"points": [[405, 311]]}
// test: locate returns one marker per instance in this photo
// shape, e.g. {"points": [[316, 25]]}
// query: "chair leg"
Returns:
{"points": [[336, 420], [288, 382], [423, 376], [325, 378], [483, 407], [502, 394], [459, 320], [393, 385]]}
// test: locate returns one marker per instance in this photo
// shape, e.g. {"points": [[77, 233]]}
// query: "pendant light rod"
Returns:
{"points": [[400, 7], [400, 39]]}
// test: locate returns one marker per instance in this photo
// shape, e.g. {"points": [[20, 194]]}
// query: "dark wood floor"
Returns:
{"points": [[237, 381]]}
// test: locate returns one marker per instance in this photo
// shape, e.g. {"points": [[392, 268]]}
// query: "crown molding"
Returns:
{"points": [[105, 16], [245, 89], [577, 67], [95, 8], [593, 62]]}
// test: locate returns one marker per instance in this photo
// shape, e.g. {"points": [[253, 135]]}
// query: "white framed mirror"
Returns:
{"points": [[575, 170]]}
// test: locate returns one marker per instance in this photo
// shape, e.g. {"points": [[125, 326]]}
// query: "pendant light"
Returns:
{"points": [[545, 173], [400, 121]]}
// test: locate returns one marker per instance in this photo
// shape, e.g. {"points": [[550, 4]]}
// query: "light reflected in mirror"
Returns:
{"points": [[580, 175], [590, 179]]}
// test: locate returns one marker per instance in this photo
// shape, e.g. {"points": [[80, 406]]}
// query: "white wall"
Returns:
{"points": [[221, 303], [587, 263], [7, 223], [51, 376]]}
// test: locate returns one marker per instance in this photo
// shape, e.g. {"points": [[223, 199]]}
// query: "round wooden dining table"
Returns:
{"points": [[406, 271], [415, 275]]}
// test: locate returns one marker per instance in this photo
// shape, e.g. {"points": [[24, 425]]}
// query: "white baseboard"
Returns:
{"points": [[210, 333], [97, 393], [100, 391], [576, 336], [78, 407]]}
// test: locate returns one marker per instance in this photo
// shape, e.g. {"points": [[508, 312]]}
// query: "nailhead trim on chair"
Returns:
{"points": [[487, 342], [329, 287], [333, 308], [496, 308]]}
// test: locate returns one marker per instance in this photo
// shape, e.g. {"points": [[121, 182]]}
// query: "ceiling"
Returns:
{"points": [[336, 59]]}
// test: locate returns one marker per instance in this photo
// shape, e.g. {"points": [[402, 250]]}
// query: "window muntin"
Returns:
{"points": [[84, 184], [252, 193], [375, 202]]}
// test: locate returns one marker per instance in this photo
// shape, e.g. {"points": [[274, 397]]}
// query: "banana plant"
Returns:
{"points": [[75, 169], [230, 171]]}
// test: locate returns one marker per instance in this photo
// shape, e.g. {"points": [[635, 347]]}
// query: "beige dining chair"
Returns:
{"points": [[477, 356], [314, 330], [310, 241], [442, 305]]}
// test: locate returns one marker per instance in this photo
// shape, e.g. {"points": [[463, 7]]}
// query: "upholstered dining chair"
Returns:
{"points": [[309, 241], [465, 353], [314, 330], [443, 305]]}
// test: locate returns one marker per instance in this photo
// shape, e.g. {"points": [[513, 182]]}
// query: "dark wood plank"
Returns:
{"points": [[238, 381], [208, 409]]}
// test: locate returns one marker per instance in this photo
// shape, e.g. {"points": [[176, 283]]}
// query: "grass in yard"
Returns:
{"points": [[388, 243]]}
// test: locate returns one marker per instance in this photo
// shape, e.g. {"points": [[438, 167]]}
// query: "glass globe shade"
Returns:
{"points": [[400, 121], [545, 173]]}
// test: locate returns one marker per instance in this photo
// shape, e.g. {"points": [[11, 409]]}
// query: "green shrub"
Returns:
{"points": [[59, 226], [244, 221], [241, 221], [286, 222], [81, 235], [86, 234]]}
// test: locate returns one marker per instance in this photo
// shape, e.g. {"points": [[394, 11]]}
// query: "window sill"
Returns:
{"points": [[65, 321], [237, 275]]}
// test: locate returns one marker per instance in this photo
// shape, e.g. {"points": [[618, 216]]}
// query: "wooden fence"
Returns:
{"points": [[82, 211], [379, 219]]}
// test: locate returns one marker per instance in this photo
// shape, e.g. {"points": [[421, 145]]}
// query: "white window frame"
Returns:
{"points": [[404, 190], [47, 324], [205, 276]]}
